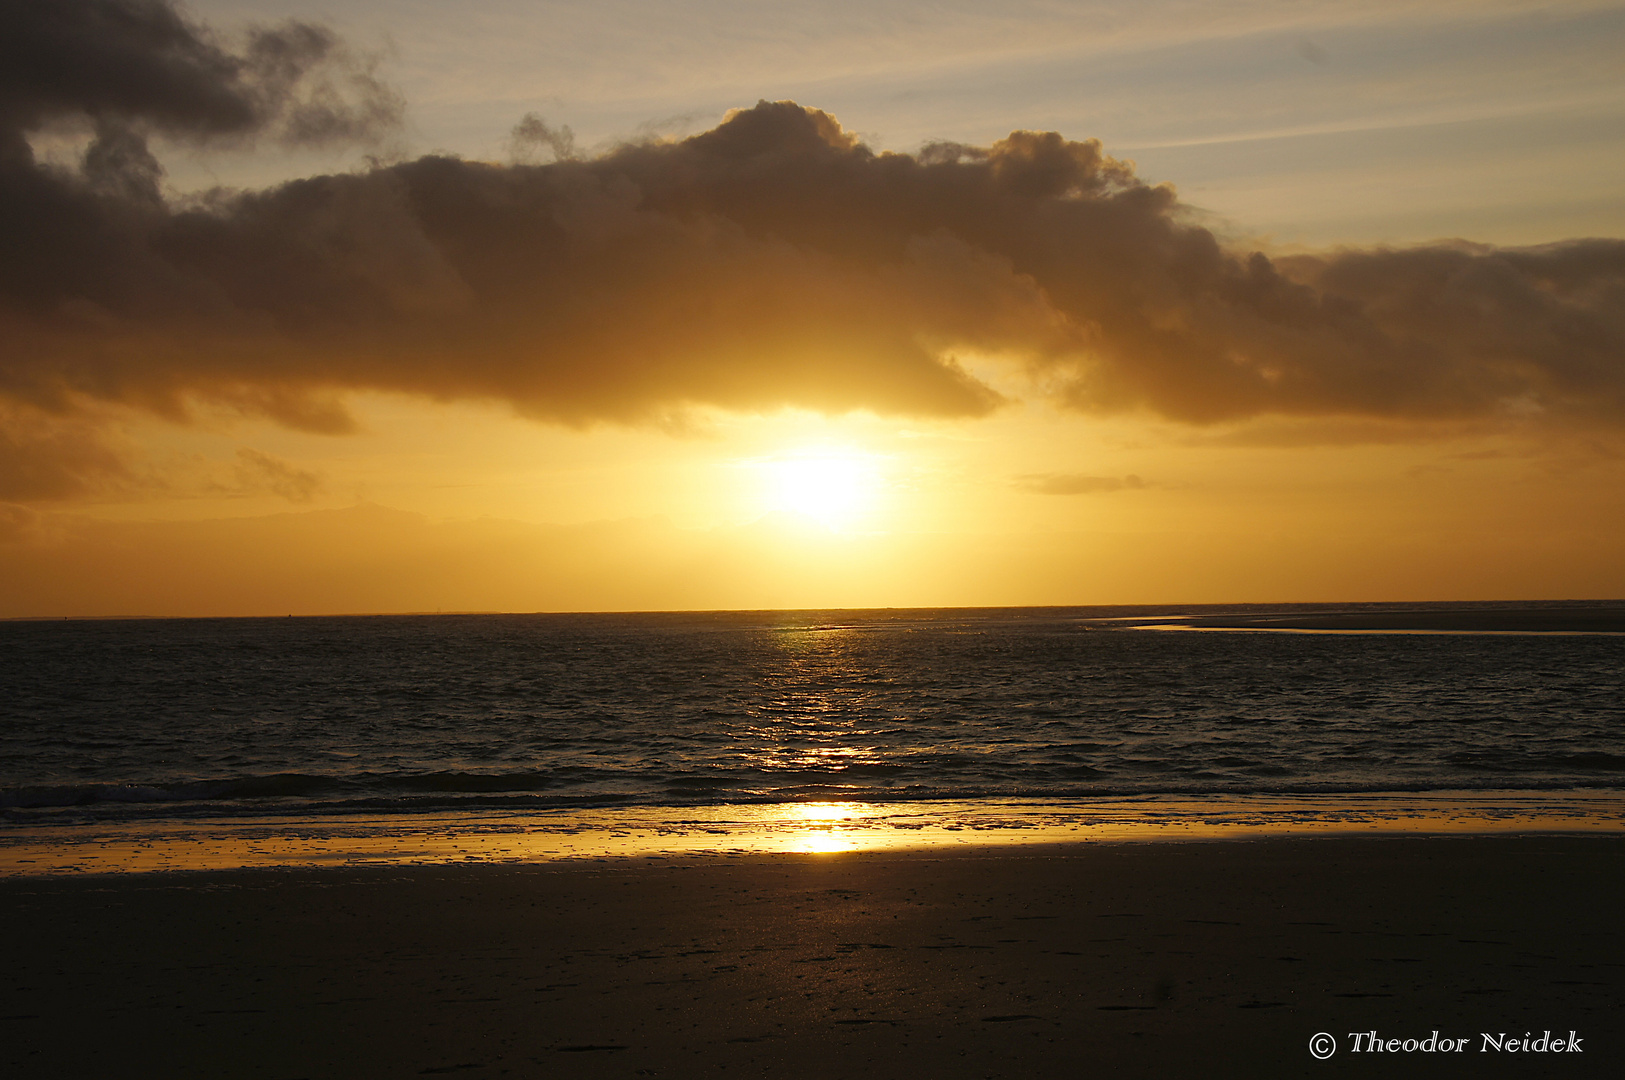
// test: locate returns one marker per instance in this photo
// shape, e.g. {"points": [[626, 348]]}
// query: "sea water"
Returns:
{"points": [[136, 723]]}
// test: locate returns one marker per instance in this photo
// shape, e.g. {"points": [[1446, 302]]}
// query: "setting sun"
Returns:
{"points": [[836, 488]]}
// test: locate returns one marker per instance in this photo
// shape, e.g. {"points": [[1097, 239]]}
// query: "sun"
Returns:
{"points": [[835, 487]]}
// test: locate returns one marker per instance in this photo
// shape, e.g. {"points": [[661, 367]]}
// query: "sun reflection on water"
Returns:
{"points": [[820, 723]]}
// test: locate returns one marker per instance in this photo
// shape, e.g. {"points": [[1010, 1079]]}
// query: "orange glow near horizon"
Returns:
{"points": [[457, 507]]}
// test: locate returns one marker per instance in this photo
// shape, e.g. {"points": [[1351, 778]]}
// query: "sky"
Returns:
{"points": [[339, 306]]}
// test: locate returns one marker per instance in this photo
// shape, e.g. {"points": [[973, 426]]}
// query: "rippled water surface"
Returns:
{"points": [[102, 720]]}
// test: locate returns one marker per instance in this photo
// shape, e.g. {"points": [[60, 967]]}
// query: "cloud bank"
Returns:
{"points": [[773, 261]]}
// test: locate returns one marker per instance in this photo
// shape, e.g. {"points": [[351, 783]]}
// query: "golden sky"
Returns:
{"points": [[348, 306]]}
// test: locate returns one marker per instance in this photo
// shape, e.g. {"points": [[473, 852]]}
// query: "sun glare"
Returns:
{"points": [[836, 488], [824, 843]]}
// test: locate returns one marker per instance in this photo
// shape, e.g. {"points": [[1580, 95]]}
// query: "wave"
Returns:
{"points": [[295, 794], [279, 785]]}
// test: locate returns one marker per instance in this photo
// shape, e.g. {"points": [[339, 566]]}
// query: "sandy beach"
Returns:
{"points": [[1219, 958]]}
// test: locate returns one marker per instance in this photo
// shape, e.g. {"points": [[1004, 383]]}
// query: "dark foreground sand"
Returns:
{"points": [[1161, 959]]}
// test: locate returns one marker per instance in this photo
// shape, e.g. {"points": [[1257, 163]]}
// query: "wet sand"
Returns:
{"points": [[1219, 958], [533, 836]]}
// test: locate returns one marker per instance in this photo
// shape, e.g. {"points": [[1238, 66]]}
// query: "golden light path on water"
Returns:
{"points": [[806, 829]]}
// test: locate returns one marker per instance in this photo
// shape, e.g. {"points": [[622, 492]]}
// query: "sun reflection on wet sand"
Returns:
{"points": [[835, 811], [804, 828], [825, 842], [825, 837]]}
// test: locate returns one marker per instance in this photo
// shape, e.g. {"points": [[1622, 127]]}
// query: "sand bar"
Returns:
{"points": [[1568, 619]]}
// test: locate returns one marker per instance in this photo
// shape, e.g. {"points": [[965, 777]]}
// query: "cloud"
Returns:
{"points": [[1077, 483], [140, 63], [256, 472], [1311, 52], [774, 260], [532, 133], [45, 457], [17, 523]]}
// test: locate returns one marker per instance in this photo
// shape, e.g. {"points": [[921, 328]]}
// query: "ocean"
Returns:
{"points": [[136, 723]]}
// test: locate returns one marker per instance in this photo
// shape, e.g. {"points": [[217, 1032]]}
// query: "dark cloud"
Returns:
{"points": [[140, 62], [1077, 483], [532, 133], [772, 261]]}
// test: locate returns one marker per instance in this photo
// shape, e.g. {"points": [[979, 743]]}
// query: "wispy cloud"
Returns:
{"points": [[257, 472], [1077, 483]]}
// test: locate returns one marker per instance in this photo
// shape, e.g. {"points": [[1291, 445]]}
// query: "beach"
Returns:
{"points": [[1170, 958], [961, 844]]}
